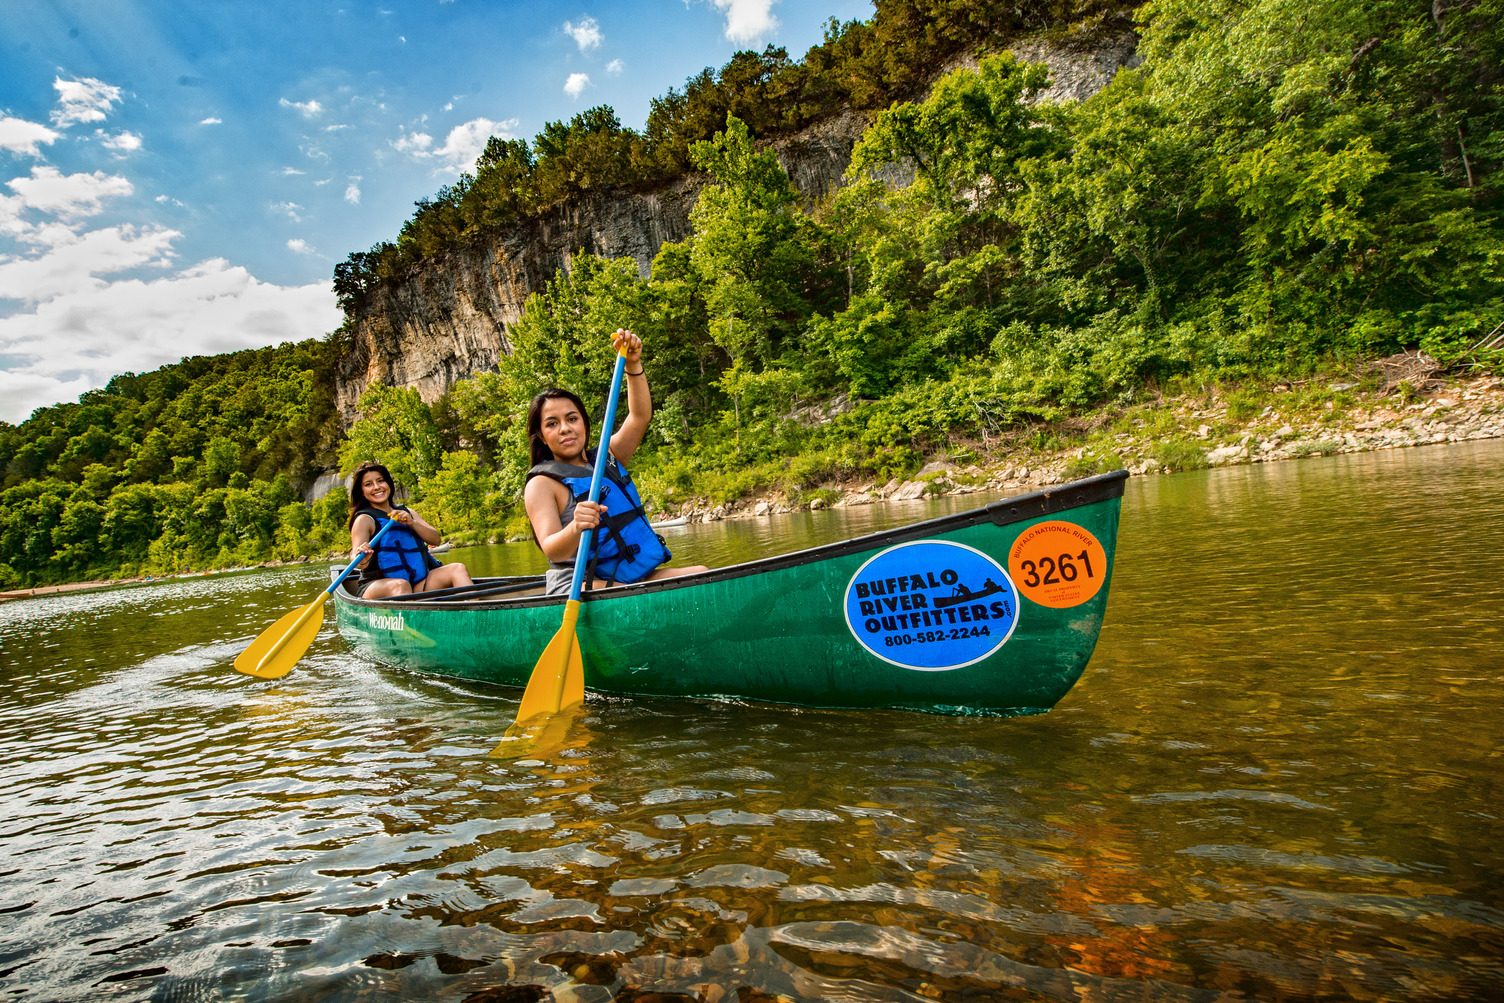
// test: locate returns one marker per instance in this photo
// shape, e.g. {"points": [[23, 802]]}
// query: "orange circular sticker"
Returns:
{"points": [[1057, 564]]}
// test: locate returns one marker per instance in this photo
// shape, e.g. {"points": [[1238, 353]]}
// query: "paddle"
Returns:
{"points": [[558, 680], [277, 650]]}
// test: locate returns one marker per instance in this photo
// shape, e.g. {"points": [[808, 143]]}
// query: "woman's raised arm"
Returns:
{"points": [[639, 398]]}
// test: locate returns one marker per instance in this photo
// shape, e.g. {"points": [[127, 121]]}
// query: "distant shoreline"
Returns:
{"points": [[1456, 410]]}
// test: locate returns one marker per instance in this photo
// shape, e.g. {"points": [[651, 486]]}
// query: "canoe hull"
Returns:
{"points": [[929, 617]]}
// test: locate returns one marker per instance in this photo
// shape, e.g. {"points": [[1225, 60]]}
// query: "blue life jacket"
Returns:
{"points": [[624, 549], [401, 553]]}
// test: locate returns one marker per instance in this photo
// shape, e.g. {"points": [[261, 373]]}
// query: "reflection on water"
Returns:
{"points": [[1279, 778]]}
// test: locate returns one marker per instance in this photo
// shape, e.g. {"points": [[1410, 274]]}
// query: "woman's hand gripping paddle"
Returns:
{"points": [[558, 680], [277, 650]]}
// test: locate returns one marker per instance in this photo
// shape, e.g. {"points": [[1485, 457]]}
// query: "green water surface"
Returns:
{"points": [[1279, 778]]}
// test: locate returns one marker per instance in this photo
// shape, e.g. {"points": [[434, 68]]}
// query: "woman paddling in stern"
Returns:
{"points": [[624, 549], [400, 563]]}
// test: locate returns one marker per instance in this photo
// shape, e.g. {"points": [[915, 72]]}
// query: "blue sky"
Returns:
{"points": [[180, 178]]}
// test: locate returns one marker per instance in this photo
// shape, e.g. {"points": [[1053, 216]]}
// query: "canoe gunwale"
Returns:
{"points": [[1003, 512]]}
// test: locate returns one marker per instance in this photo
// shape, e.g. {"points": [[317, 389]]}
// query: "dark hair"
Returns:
{"points": [[536, 448], [357, 492]]}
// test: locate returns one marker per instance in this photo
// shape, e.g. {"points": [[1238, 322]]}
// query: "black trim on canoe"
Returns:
{"points": [[1059, 498]]}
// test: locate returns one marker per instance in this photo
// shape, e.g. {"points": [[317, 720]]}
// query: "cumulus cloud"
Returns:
{"points": [[291, 208], [587, 34], [464, 144], [211, 120], [76, 341], [576, 84], [72, 261], [20, 136], [615, 67], [122, 142], [352, 191], [71, 196], [300, 246], [416, 143], [748, 20], [78, 305], [308, 108], [86, 100]]}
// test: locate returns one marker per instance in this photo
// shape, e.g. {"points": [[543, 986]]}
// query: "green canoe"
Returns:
{"points": [[991, 611]]}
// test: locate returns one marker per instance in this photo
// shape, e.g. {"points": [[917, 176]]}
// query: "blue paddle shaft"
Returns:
{"points": [[351, 566], [582, 556]]}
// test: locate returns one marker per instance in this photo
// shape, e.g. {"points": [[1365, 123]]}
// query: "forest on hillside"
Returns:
{"points": [[864, 65], [1275, 187]]}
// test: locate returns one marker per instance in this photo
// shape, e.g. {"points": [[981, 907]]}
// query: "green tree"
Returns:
{"points": [[454, 498], [76, 537], [747, 245], [396, 430]]}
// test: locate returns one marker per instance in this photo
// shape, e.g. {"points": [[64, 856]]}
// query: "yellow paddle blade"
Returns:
{"points": [[277, 650], [541, 736], [558, 679], [574, 681]]}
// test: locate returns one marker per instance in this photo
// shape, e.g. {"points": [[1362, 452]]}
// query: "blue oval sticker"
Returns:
{"points": [[931, 605]]}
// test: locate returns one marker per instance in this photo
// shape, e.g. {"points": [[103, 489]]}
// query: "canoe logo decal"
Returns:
{"points": [[931, 605], [1058, 564], [387, 621]]}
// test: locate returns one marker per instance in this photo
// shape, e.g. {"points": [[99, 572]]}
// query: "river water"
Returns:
{"points": [[1279, 778]]}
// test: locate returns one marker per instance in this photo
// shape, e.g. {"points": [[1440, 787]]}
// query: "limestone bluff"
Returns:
{"points": [[447, 318]]}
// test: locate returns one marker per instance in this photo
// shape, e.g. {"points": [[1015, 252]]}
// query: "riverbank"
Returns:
{"points": [[1404, 401], [108, 583], [1394, 403]]}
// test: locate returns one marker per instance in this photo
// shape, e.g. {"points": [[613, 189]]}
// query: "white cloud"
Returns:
{"points": [[464, 144], [748, 20], [587, 34], [300, 246], [86, 100], [76, 341], [71, 196], [352, 191], [122, 142], [289, 172], [416, 143], [74, 261], [211, 120], [79, 306], [20, 136], [291, 208], [615, 67], [576, 84], [308, 108]]}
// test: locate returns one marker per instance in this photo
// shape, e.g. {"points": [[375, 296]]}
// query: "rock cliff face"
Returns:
{"points": [[449, 319]]}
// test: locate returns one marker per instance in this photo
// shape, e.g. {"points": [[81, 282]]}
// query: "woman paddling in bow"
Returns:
{"points": [[400, 562], [625, 548]]}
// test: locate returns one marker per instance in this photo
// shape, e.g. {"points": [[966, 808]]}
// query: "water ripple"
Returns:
{"points": [[1277, 780]]}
